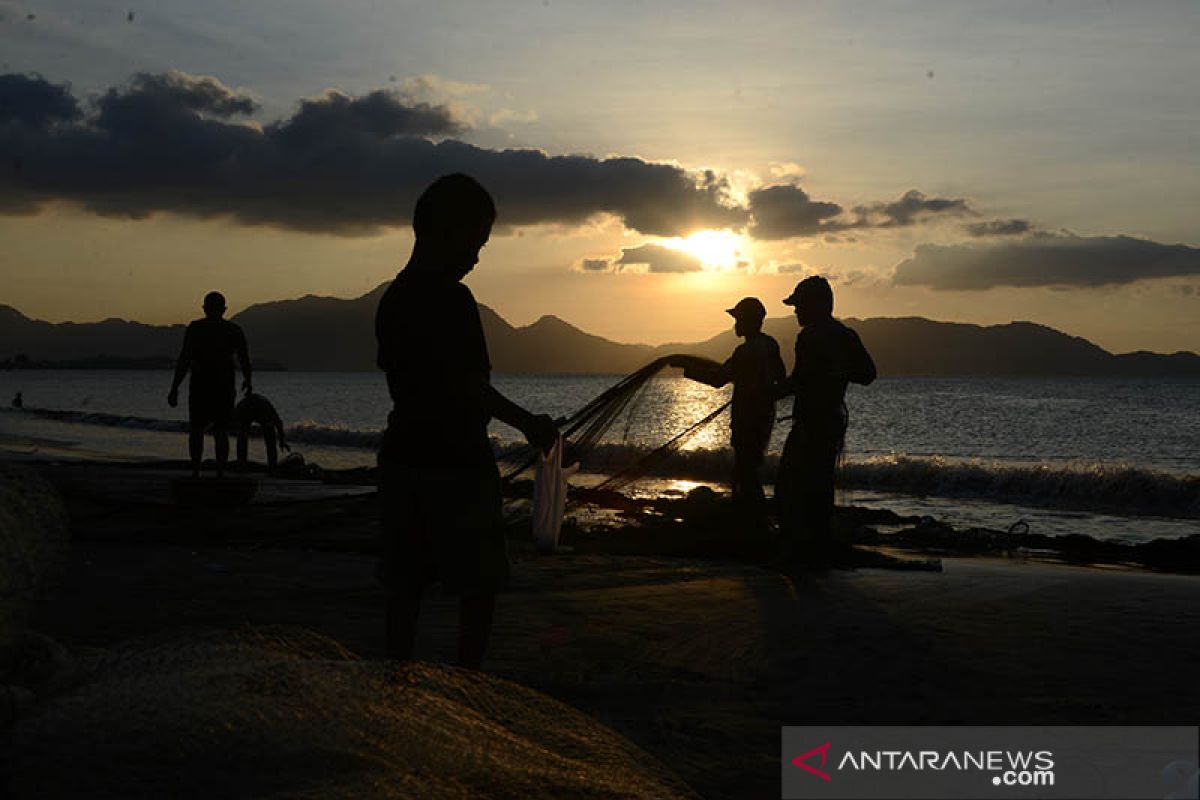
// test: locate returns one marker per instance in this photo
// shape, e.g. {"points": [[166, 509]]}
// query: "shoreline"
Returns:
{"points": [[644, 518]]}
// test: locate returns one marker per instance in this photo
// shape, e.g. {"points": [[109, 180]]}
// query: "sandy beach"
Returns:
{"points": [[696, 661]]}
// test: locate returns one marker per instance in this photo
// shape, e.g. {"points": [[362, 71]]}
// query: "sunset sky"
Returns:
{"points": [[652, 161]]}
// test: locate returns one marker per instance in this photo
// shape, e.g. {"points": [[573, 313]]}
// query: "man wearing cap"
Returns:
{"points": [[754, 369], [209, 346], [829, 356]]}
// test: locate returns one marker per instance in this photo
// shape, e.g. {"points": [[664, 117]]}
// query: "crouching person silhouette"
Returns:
{"points": [[439, 484], [258, 410]]}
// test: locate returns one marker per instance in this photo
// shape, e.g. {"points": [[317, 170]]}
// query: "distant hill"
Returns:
{"points": [[912, 346], [325, 333], [333, 334], [46, 341]]}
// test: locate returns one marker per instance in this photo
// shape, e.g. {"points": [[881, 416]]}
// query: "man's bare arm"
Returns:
{"points": [[539, 429], [702, 370], [243, 354], [182, 364]]}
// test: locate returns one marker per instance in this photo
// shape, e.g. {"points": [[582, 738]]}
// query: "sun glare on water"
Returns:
{"points": [[717, 250]]}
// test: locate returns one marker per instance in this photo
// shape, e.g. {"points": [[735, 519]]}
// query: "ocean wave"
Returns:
{"points": [[1123, 489], [305, 432], [110, 420], [335, 436], [1119, 488]]}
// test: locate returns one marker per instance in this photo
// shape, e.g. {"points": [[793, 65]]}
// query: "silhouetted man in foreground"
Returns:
{"points": [[754, 369], [256, 409], [828, 357], [439, 485], [209, 346]]}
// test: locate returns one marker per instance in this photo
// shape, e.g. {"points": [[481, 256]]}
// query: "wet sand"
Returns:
{"points": [[696, 661]]}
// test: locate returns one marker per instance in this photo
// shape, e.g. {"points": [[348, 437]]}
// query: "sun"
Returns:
{"points": [[717, 250]]}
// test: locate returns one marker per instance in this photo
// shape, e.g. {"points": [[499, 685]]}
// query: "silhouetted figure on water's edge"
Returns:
{"points": [[828, 357], [439, 484], [209, 346], [755, 369], [256, 409], [18, 401]]}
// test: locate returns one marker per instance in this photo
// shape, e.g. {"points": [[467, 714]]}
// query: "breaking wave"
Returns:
{"points": [[305, 432], [1122, 489], [110, 420], [335, 436], [1118, 488]]}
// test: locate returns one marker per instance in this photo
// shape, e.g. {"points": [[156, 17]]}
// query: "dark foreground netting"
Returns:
{"points": [[584, 429], [287, 713], [33, 539]]}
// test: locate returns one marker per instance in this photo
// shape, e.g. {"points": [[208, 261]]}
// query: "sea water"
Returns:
{"points": [[1111, 458]]}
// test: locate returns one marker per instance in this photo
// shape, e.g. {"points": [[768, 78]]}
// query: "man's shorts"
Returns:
{"points": [[443, 525], [211, 405]]}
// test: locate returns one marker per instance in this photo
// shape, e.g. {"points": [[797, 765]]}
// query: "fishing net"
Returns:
{"points": [[282, 712], [33, 539], [584, 429]]}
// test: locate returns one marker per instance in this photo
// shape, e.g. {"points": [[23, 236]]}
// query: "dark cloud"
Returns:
{"points": [[999, 227], [378, 115], [786, 210], [1047, 260], [170, 95], [594, 264], [911, 208], [657, 258], [32, 101], [173, 143]]}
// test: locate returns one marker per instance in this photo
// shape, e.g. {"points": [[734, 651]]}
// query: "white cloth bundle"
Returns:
{"points": [[550, 496]]}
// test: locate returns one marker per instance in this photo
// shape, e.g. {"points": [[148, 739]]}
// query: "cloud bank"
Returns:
{"points": [[186, 144], [177, 143], [912, 207], [785, 211], [1046, 260]]}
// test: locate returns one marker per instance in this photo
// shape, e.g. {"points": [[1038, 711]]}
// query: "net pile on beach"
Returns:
{"points": [[33, 538], [281, 712], [584, 429]]}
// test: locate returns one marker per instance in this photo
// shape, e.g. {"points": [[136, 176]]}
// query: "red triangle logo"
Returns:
{"points": [[799, 760]]}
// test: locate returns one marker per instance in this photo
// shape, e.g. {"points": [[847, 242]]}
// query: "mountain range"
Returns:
{"points": [[333, 334]]}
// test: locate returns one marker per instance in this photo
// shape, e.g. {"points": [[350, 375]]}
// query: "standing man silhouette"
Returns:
{"points": [[209, 346], [439, 485], [755, 369], [828, 357]]}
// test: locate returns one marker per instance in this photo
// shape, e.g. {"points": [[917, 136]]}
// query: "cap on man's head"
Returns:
{"points": [[814, 287], [450, 201], [748, 308], [215, 301]]}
